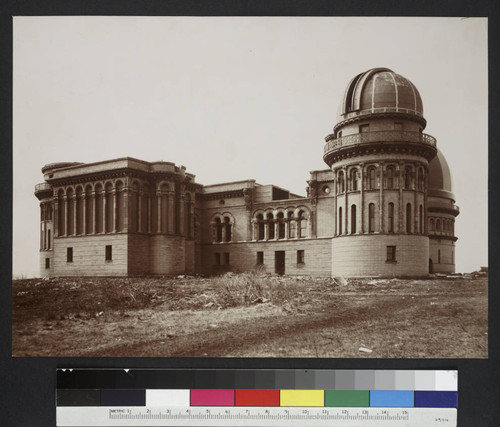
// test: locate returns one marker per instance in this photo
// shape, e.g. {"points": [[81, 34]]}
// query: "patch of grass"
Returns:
{"points": [[251, 288]]}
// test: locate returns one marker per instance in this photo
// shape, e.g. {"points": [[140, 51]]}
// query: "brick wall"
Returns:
{"points": [[366, 255], [442, 254], [167, 254], [243, 256], [89, 255]]}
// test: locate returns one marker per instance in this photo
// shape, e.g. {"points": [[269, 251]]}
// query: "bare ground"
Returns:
{"points": [[250, 315]]}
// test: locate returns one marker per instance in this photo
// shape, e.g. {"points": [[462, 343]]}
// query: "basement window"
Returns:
{"points": [[47, 263], [69, 254], [217, 258], [226, 258], [300, 256], [260, 258], [391, 254], [109, 253]]}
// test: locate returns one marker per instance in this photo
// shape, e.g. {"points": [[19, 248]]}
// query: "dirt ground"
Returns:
{"points": [[250, 315]]}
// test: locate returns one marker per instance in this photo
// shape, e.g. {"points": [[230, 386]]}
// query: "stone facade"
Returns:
{"points": [[384, 206]]}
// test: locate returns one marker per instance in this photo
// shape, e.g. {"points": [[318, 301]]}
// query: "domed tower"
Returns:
{"points": [[441, 214], [380, 159]]}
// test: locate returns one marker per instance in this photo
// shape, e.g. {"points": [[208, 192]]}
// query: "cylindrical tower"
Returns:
{"points": [[441, 214], [380, 157]]}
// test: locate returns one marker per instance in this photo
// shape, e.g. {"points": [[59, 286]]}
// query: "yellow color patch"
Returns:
{"points": [[302, 398]]}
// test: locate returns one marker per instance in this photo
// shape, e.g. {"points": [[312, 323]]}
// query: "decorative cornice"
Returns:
{"points": [[380, 115], [442, 237], [451, 210], [232, 194]]}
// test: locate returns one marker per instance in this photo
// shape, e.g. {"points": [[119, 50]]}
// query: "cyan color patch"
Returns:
{"points": [[392, 398]]}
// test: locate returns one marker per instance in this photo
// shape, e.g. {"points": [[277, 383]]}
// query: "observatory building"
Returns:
{"points": [[384, 206]]}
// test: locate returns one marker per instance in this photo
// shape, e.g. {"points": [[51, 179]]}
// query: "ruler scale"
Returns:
{"points": [[87, 398]]}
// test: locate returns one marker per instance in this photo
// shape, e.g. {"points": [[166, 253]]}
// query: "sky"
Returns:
{"points": [[236, 98]]}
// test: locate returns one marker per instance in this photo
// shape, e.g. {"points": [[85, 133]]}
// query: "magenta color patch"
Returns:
{"points": [[212, 397]]}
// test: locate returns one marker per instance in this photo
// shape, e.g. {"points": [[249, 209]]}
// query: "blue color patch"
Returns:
{"points": [[392, 398], [436, 399]]}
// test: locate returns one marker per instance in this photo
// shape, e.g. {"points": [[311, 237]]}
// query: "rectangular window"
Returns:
{"points": [[300, 256], [226, 258], [260, 258], [109, 252], [391, 254], [217, 258], [69, 254], [47, 263]]}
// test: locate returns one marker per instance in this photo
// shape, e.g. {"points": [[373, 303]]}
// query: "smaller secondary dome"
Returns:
{"points": [[440, 183], [380, 90]]}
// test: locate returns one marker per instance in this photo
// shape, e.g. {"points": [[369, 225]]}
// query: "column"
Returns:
{"points": [[104, 209], [362, 197], [181, 214], [94, 213], [345, 200], [223, 230], [426, 229], [381, 197], [65, 198], [115, 211], [56, 217], [126, 209], [139, 212], [276, 230], [401, 204], [170, 218], [149, 221], [158, 201], [415, 204], [266, 228], [84, 210], [287, 229], [335, 210]]}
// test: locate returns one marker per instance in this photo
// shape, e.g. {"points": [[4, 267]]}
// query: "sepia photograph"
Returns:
{"points": [[277, 187]]}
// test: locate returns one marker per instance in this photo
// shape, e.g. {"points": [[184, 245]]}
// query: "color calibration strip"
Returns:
{"points": [[259, 398], [234, 398], [167, 379]]}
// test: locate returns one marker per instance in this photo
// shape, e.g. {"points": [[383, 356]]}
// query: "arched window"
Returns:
{"points": [[228, 226], [218, 230], [61, 213], [371, 217], [70, 212], [407, 178], [270, 225], [431, 224], [301, 225], [340, 220], [79, 210], [292, 226], [390, 177], [371, 179], [438, 225], [353, 219], [421, 219], [281, 226], [109, 208], [261, 225], [390, 217], [119, 206], [89, 210], [340, 182], [421, 179], [354, 180], [408, 217]]}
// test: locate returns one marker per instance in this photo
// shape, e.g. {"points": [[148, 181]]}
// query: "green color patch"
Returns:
{"points": [[347, 398]]}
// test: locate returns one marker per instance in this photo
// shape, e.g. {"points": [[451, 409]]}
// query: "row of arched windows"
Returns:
{"points": [[223, 228], [110, 208], [442, 226], [372, 179], [289, 224], [390, 227]]}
